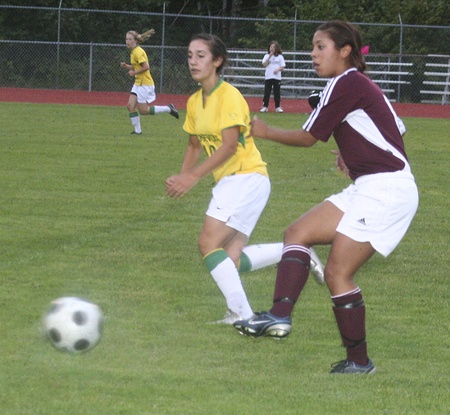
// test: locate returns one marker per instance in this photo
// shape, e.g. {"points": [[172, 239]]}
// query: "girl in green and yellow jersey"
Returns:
{"points": [[218, 122], [143, 91]]}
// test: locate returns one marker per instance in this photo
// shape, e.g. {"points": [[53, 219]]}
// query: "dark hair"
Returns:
{"points": [[216, 47], [278, 50], [342, 34]]}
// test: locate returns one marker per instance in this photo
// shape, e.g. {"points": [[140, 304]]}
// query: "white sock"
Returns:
{"points": [[227, 279], [158, 109], [263, 255], [136, 123]]}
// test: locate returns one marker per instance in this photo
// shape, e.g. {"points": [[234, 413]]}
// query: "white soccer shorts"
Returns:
{"points": [[145, 94], [378, 209], [239, 200]]}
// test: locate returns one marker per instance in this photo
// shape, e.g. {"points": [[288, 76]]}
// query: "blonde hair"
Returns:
{"points": [[141, 37]]}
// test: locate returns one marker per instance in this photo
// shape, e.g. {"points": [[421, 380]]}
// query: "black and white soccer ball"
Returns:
{"points": [[73, 324]]}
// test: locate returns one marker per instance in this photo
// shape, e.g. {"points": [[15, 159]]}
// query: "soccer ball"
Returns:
{"points": [[73, 324]]}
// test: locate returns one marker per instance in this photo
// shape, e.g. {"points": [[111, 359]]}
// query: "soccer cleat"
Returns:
{"points": [[173, 111], [279, 109], [229, 318], [264, 109], [316, 267], [135, 133], [264, 324], [349, 367]]}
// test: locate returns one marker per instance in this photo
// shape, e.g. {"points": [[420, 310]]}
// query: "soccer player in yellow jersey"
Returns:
{"points": [[218, 122], [143, 91]]}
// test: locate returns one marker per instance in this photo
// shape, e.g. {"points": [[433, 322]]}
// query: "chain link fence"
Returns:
{"points": [[410, 63]]}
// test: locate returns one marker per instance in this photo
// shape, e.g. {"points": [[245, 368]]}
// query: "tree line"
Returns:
{"points": [[117, 16], [413, 12]]}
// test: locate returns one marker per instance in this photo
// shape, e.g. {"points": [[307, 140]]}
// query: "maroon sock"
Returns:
{"points": [[350, 313], [292, 274]]}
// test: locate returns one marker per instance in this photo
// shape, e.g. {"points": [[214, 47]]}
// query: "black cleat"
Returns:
{"points": [[264, 324], [174, 111], [346, 366]]}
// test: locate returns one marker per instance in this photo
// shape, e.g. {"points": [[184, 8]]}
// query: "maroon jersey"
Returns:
{"points": [[366, 129]]}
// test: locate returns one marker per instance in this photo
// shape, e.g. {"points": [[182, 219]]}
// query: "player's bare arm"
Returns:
{"points": [[179, 185], [144, 67], [192, 156], [297, 138], [221, 155], [132, 72]]}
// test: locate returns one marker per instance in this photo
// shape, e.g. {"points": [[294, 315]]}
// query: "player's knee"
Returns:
{"points": [[334, 277], [295, 234], [143, 111], [289, 233]]}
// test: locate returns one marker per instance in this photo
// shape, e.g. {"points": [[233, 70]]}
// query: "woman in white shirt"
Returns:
{"points": [[274, 63]]}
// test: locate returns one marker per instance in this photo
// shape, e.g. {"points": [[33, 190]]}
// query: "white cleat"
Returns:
{"points": [[316, 267], [229, 318]]}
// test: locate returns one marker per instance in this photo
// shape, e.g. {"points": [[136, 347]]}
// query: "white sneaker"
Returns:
{"points": [[264, 109], [279, 109], [316, 267], [229, 318]]}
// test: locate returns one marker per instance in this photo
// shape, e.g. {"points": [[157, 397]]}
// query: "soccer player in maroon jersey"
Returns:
{"points": [[371, 215]]}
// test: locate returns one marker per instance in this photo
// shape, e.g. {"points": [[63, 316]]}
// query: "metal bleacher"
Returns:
{"points": [[245, 71]]}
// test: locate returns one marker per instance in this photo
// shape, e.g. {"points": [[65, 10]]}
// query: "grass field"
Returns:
{"points": [[84, 213]]}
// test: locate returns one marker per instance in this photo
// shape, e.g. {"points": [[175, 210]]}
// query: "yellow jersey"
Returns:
{"points": [[225, 108], [138, 57]]}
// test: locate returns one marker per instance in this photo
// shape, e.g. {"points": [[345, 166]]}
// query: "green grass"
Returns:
{"points": [[83, 212]]}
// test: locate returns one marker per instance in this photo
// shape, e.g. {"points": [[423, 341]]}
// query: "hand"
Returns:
{"points": [[131, 72], [258, 128], [178, 185], [340, 164], [124, 65]]}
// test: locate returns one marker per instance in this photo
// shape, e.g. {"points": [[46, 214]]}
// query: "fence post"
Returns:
{"points": [[90, 66], [161, 68], [400, 57], [58, 41], [446, 93], [295, 31]]}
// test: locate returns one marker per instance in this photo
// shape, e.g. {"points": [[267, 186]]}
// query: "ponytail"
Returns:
{"points": [[142, 37]]}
